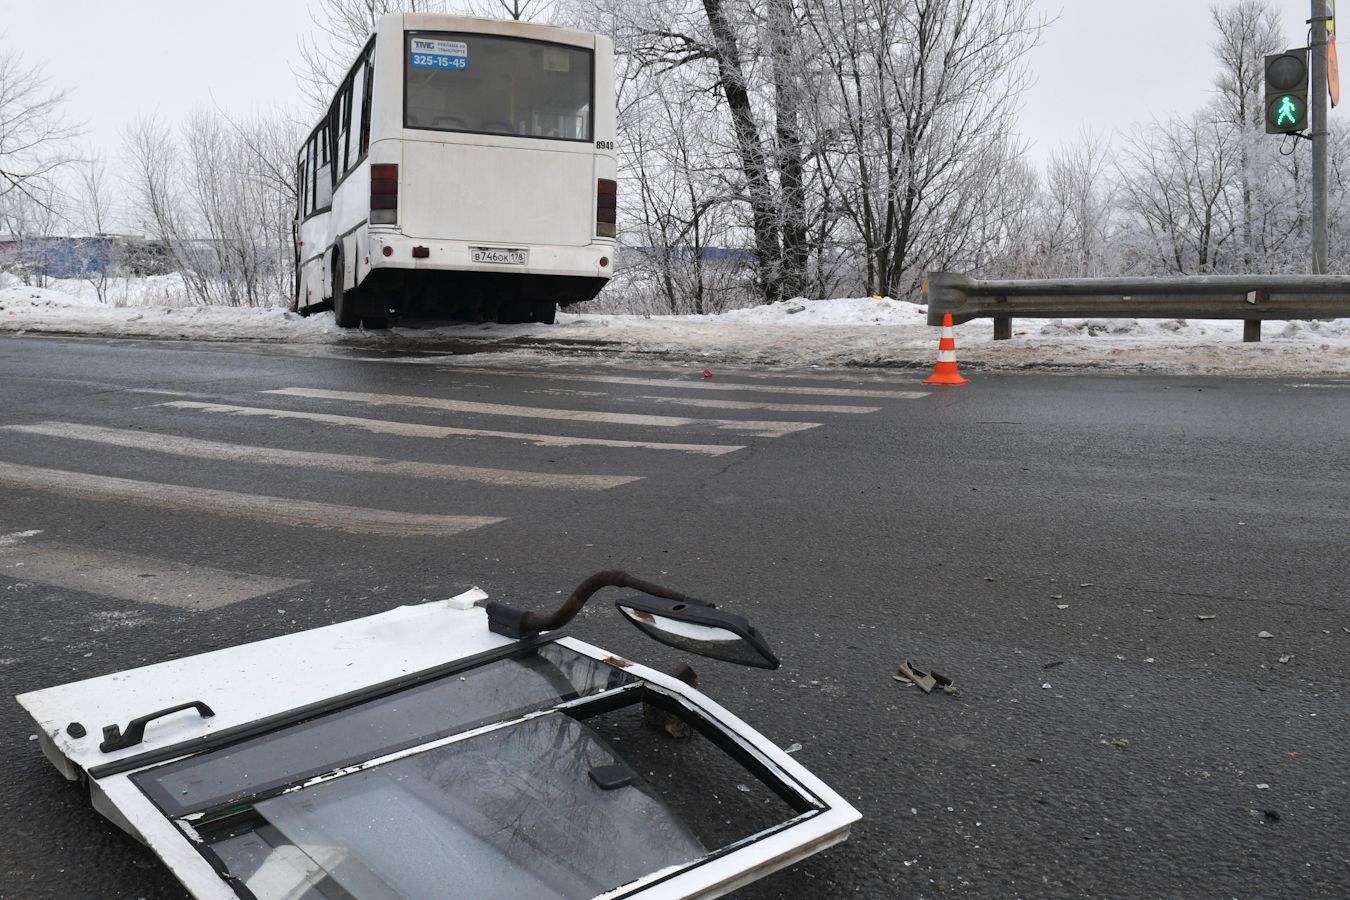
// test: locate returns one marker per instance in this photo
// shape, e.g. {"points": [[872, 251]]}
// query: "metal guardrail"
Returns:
{"points": [[1250, 298]]}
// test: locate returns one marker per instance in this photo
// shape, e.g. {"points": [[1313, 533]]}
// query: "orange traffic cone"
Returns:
{"points": [[945, 371]]}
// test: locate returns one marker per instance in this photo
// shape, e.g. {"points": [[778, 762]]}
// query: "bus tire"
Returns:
{"points": [[344, 310], [512, 311], [545, 312]]}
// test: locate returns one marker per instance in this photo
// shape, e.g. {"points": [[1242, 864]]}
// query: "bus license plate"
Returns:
{"points": [[504, 256]]}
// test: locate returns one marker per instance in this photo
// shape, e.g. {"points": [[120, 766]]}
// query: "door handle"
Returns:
{"points": [[115, 739]]}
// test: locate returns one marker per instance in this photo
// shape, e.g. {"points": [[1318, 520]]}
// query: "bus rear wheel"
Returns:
{"points": [[344, 309], [512, 311], [545, 312]]}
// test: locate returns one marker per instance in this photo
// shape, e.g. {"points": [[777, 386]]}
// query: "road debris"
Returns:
{"points": [[1264, 635], [1051, 665], [1286, 658], [792, 748], [925, 681], [707, 373], [1045, 686], [1062, 606], [1206, 617]]}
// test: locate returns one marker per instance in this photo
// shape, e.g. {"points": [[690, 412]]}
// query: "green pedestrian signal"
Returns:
{"points": [[1287, 92]]}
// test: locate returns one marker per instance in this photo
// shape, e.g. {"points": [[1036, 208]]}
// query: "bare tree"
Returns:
{"points": [[34, 135], [920, 105], [221, 200], [1180, 187], [341, 29], [95, 218], [1248, 30], [33, 216], [1074, 225]]}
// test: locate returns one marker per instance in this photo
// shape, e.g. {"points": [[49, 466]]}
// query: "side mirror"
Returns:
{"points": [[703, 630], [674, 619]]}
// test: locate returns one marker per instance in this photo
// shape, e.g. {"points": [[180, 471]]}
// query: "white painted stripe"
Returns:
{"points": [[278, 510], [363, 465], [771, 407], [758, 429], [691, 383], [413, 429], [17, 537], [139, 579]]}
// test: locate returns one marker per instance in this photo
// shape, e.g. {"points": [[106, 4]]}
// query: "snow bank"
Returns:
{"points": [[840, 332]]}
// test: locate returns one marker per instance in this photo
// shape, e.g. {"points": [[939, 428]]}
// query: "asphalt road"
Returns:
{"points": [[1090, 558]]}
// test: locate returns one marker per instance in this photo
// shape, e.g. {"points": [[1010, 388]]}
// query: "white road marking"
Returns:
{"points": [[277, 510], [413, 429], [758, 429], [11, 540], [770, 407], [706, 384], [140, 579], [364, 465]]}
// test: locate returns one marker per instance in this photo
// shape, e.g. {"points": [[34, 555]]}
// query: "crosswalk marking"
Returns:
{"points": [[413, 429], [707, 403], [277, 510], [758, 429], [139, 579], [681, 383], [366, 465]]}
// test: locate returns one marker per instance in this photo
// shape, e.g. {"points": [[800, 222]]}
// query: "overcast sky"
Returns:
{"points": [[1104, 64]]}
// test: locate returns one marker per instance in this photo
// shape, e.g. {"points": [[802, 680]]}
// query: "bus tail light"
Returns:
{"points": [[606, 205], [383, 194]]}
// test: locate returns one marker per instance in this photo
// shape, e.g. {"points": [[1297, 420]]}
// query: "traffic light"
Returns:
{"points": [[1287, 92]]}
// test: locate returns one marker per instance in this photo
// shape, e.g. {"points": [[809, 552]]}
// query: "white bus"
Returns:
{"points": [[466, 169]]}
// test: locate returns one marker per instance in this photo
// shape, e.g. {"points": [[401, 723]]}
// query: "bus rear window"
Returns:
{"points": [[486, 84]]}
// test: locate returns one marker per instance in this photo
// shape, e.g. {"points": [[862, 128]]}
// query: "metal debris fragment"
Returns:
{"points": [[926, 681]]}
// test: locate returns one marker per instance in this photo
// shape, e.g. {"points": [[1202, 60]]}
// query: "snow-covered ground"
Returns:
{"points": [[840, 332]]}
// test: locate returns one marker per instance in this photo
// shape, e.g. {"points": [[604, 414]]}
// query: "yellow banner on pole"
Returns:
{"points": [[1333, 65]]}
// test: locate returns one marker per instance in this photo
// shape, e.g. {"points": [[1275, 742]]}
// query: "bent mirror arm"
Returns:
{"points": [[517, 623]]}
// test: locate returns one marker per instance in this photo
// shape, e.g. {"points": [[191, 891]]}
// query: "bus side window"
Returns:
{"points": [[323, 175], [365, 107], [356, 105], [312, 170], [341, 107]]}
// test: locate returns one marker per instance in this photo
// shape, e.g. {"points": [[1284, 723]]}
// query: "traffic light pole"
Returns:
{"points": [[1321, 134]]}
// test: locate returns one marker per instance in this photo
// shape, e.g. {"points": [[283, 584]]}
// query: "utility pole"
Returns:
{"points": [[1321, 134]]}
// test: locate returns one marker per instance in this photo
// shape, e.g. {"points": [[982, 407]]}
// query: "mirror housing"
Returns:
{"points": [[701, 629]]}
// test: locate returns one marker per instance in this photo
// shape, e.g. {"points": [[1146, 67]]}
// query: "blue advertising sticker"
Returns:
{"points": [[430, 53]]}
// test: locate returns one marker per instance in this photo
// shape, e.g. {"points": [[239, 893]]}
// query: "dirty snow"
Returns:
{"points": [[828, 333]]}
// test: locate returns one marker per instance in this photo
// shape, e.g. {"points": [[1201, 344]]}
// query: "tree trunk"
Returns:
{"points": [[731, 79]]}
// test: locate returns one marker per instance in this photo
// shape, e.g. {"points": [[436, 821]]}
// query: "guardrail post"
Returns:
{"points": [[1251, 331], [1003, 329]]}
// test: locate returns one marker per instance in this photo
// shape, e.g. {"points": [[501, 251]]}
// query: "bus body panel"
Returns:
{"points": [[500, 195]]}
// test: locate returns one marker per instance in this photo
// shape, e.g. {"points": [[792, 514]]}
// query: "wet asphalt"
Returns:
{"points": [[1090, 558]]}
